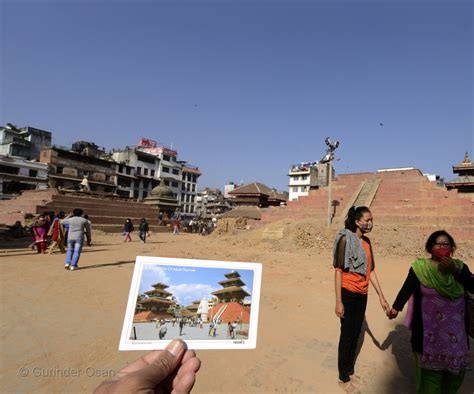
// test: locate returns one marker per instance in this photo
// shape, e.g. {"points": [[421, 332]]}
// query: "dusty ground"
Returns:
{"points": [[55, 319]]}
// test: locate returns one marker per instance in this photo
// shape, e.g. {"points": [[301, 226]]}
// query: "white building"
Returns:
{"points": [[190, 175], [306, 176], [17, 174], [151, 164], [137, 170], [25, 142]]}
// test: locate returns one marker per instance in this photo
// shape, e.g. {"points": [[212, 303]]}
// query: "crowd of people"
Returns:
{"points": [[51, 232]]}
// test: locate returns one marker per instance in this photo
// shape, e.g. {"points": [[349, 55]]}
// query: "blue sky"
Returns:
{"points": [[244, 89], [189, 284]]}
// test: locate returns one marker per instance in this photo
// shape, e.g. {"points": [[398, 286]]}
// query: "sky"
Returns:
{"points": [[245, 89], [190, 284]]}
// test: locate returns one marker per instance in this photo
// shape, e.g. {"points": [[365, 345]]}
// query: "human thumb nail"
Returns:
{"points": [[176, 347]]}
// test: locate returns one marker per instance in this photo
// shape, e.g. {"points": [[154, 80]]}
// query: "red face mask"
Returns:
{"points": [[438, 253]]}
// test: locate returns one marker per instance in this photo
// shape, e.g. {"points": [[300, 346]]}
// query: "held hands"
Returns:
{"points": [[339, 309], [392, 313], [384, 304], [171, 370]]}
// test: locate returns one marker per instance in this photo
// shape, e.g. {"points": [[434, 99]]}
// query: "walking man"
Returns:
{"points": [[78, 226]]}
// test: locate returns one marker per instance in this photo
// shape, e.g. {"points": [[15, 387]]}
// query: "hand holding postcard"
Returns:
{"points": [[209, 304]]}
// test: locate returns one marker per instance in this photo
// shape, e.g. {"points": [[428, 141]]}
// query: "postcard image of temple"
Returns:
{"points": [[223, 312]]}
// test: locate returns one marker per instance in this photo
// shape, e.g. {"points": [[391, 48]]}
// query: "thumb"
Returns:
{"points": [[165, 363]]}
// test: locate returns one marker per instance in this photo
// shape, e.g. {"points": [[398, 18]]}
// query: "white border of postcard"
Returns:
{"points": [[141, 261]]}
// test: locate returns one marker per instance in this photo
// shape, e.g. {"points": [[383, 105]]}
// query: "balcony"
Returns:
{"points": [[301, 168]]}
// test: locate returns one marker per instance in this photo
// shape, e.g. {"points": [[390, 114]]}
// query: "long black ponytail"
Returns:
{"points": [[354, 214]]}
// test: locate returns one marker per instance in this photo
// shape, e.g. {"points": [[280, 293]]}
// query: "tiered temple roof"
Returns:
{"points": [[232, 288], [156, 300], [465, 180]]}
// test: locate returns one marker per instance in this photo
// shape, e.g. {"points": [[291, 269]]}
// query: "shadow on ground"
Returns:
{"points": [[398, 341], [117, 263]]}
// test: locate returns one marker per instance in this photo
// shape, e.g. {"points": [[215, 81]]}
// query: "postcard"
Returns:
{"points": [[208, 304]]}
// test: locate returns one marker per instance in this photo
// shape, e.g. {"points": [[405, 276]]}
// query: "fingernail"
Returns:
{"points": [[175, 347]]}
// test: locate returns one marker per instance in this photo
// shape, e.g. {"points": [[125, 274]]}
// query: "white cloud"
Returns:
{"points": [[151, 275], [186, 293]]}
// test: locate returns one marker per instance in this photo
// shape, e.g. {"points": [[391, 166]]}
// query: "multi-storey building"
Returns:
{"points": [[138, 171], [26, 142], [306, 176], [68, 168], [211, 202], [17, 174], [190, 175]]}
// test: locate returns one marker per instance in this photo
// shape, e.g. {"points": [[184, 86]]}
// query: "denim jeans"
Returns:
{"points": [[74, 252]]}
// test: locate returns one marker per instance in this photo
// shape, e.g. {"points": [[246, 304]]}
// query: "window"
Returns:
{"points": [[194, 188], [194, 178], [145, 184], [167, 183], [145, 171], [107, 178], [304, 177], [295, 189], [128, 170], [139, 170], [33, 173], [296, 178], [152, 172], [189, 177], [120, 169], [165, 169], [174, 184], [166, 158], [59, 170], [9, 170], [145, 194], [175, 172]]}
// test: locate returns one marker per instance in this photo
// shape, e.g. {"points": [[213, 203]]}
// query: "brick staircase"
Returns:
{"points": [[106, 214], [399, 198], [232, 312], [24, 205]]}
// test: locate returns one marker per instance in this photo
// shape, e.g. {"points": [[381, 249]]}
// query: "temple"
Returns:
{"points": [[157, 301], [464, 183], [231, 303], [232, 289]]}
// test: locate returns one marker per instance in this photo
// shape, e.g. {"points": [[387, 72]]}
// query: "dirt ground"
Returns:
{"points": [[55, 319]]}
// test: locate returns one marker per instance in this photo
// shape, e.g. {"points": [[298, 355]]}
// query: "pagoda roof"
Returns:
{"points": [[232, 274], [158, 291], [161, 285], [231, 289], [463, 180], [237, 281], [277, 196], [155, 301], [255, 188], [466, 164]]}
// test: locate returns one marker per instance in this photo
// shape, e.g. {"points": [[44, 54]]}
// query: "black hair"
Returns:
{"points": [[77, 212], [430, 242], [354, 214], [86, 217], [61, 215], [143, 220]]}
